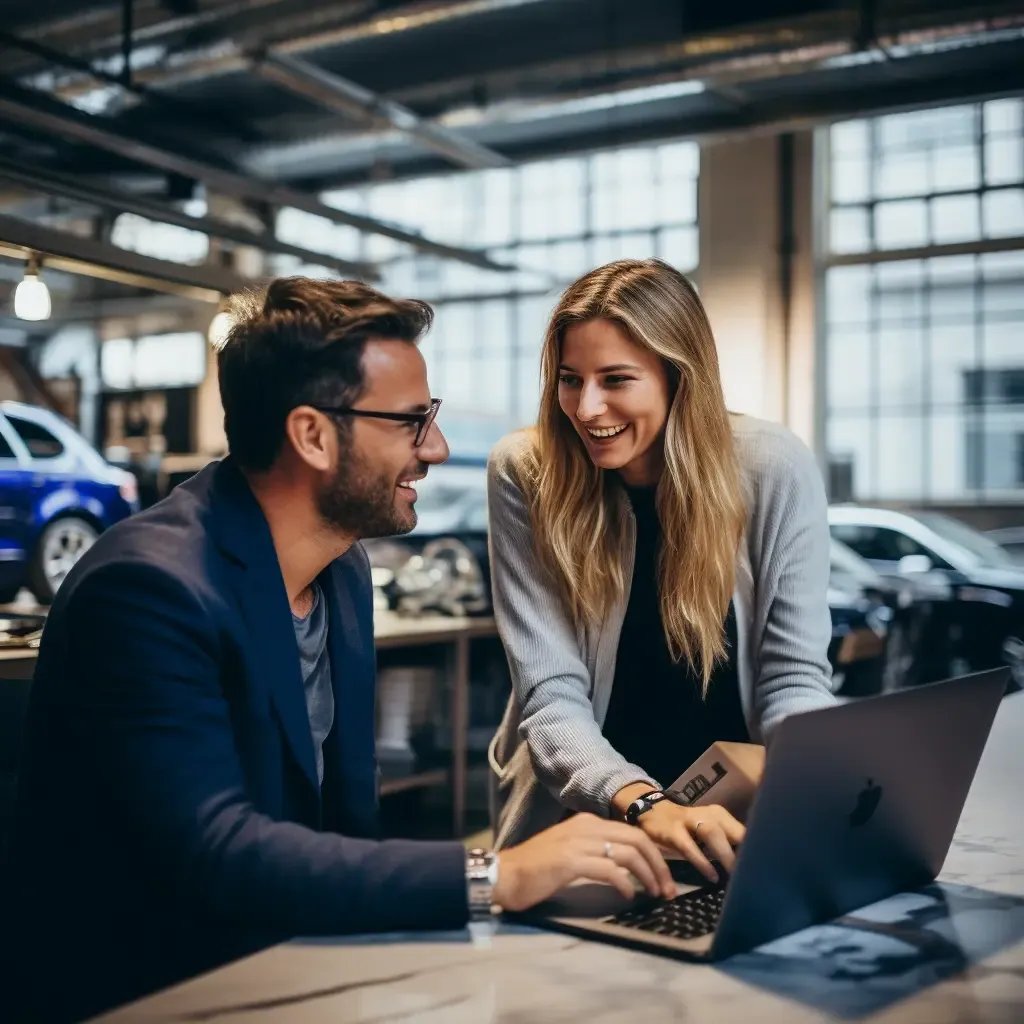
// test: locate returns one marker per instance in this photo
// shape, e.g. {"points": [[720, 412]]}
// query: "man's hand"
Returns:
{"points": [[584, 846], [688, 829]]}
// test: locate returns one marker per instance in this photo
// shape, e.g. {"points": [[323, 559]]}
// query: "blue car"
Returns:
{"points": [[57, 494]]}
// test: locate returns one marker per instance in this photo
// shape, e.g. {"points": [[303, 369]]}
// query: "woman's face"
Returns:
{"points": [[616, 394]]}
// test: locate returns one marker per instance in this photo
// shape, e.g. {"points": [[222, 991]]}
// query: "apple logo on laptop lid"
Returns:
{"points": [[867, 802]]}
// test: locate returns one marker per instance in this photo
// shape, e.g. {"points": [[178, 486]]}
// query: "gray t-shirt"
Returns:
{"points": [[311, 634]]}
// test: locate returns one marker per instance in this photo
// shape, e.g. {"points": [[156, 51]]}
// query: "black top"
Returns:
{"points": [[656, 717]]}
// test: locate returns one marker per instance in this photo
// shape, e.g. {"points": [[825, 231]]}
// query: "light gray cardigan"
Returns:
{"points": [[549, 753]]}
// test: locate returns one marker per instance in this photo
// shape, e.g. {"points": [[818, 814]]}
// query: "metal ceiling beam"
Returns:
{"points": [[59, 185], [1000, 73], [89, 258], [350, 99], [231, 52], [161, 100], [42, 113], [99, 38]]}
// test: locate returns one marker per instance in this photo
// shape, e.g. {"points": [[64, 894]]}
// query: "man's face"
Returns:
{"points": [[372, 491]]}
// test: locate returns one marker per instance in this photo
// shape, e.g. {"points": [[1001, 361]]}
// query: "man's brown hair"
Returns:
{"points": [[300, 342]]}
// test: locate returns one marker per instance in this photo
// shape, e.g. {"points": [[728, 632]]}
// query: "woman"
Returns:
{"points": [[659, 569]]}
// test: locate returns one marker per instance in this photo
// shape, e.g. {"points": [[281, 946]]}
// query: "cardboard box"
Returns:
{"points": [[726, 773]]}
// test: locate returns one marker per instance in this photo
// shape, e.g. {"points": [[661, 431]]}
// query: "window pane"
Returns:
{"points": [[901, 367], [849, 230], [495, 207], [678, 160], [455, 330], [903, 173], [951, 292], [1003, 213], [955, 167], [848, 368], [848, 291], [1004, 116], [675, 201], [1004, 160], [1003, 276], [947, 456], [899, 225], [568, 260], [849, 446], [1003, 450], [169, 360], [162, 241], [1003, 346], [951, 357], [849, 137], [900, 457], [900, 287], [955, 219], [850, 179], [678, 247], [460, 385]]}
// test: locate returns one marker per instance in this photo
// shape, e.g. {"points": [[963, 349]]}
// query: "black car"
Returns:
{"points": [[975, 589]]}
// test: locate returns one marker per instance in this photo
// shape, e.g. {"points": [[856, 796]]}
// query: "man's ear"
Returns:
{"points": [[312, 436]]}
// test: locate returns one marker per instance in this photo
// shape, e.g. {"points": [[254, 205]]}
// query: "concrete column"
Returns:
{"points": [[757, 273]]}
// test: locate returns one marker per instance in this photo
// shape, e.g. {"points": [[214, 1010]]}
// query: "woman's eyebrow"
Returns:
{"points": [[606, 369]]}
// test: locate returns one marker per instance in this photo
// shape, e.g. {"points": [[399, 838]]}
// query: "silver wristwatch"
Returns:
{"points": [[481, 878]]}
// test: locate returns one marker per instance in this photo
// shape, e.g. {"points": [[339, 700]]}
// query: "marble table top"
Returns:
{"points": [[951, 953]]}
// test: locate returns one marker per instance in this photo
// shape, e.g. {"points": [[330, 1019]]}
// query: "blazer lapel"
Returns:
{"points": [[272, 652], [353, 670]]}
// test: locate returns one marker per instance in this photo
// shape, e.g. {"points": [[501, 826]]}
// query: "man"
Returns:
{"points": [[198, 778]]}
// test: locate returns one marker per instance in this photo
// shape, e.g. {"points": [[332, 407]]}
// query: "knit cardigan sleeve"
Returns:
{"points": [[789, 546]]}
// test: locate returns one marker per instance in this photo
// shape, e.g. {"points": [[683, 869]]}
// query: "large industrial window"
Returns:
{"points": [[552, 219], [924, 305]]}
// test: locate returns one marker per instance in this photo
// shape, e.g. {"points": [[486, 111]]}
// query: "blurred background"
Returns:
{"points": [[843, 181]]}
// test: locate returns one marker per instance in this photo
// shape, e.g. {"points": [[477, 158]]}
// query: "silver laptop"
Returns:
{"points": [[857, 802]]}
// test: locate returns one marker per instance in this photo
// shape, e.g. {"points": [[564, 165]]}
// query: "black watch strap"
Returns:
{"points": [[642, 804]]}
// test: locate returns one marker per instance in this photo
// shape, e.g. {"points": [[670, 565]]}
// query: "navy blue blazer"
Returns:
{"points": [[169, 816]]}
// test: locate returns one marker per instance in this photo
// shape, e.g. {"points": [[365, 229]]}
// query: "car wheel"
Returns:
{"points": [[62, 544]]}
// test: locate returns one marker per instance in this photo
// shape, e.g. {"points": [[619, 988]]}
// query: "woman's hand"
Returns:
{"points": [[699, 834]]}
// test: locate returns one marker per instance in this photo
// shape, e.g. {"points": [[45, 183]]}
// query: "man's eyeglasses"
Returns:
{"points": [[424, 419]]}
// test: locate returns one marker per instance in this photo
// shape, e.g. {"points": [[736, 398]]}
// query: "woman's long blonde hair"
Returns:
{"points": [[577, 509]]}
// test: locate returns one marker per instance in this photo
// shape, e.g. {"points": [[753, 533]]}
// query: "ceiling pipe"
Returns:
{"points": [[349, 99]]}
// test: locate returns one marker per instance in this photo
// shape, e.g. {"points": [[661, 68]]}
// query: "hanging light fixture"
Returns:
{"points": [[32, 297], [220, 326]]}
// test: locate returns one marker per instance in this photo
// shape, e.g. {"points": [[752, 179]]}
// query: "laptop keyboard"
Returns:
{"points": [[686, 917]]}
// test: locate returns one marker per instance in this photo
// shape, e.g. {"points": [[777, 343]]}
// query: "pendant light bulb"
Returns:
{"points": [[32, 297]]}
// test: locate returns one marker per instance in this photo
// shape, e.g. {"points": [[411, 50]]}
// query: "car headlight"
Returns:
{"points": [[129, 488]]}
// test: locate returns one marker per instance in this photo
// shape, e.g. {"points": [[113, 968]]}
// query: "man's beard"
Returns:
{"points": [[360, 502]]}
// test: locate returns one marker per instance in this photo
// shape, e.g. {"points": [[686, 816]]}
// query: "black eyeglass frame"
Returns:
{"points": [[424, 419]]}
